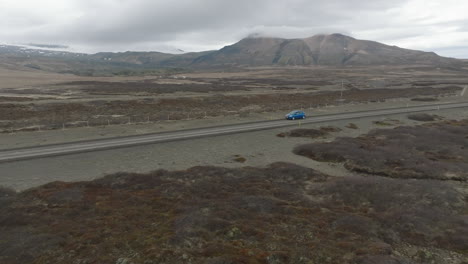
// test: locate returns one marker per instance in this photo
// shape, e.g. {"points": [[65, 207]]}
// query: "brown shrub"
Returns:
{"points": [[309, 132], [239, 159], [304, 132], [424, 99], [352, 126], [282, 135], [437, 151], [423, 117], [330, 129], [387, 122], [283, 213]]}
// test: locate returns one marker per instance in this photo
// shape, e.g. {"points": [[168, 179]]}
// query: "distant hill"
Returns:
{"points": [[154, 59], [331, 50], [334, 49], [105, 63]]}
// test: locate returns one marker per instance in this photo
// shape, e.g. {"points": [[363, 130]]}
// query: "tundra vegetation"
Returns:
{"points": [[404, 200], [423, 117], [430, 151], [310, 132], [72, 101], [284, 213]]}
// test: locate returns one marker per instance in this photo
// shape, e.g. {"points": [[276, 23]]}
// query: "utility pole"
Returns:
{"points": [[342, 87], [340, 100]]}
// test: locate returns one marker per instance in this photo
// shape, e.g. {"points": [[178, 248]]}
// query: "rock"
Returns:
{"points": [[234, 232], [123, 261]]}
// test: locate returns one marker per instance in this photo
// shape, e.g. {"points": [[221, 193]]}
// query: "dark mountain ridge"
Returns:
{"points": [[333, 50], [329, 50]]}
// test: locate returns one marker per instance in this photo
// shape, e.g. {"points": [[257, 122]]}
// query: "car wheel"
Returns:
{"points": [[303, 117], [293, 118]]}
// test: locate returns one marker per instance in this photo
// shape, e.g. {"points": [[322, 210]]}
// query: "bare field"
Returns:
{"points": [[20, 79]]}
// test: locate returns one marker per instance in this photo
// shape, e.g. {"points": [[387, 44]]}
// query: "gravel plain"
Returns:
{"points": [[259, 148]]}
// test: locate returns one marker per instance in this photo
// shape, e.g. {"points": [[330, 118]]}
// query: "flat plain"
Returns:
{"points": [[388, 189], [65, 101]]}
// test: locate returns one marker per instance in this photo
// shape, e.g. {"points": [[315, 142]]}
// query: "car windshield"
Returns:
{"points": [[293, 113]]}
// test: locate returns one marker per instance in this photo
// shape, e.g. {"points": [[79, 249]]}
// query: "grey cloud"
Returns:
{"points": [[193, 24], [145, 20], [454, 52]]}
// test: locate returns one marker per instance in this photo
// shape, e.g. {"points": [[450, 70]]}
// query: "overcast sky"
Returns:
{"points": [[196, 25]]}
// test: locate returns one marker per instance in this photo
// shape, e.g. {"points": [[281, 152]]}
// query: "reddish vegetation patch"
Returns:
{"points": [[387, 122], [280, 214], [330, 129], [310, 132], [304, 132], [436, 151], [423, 117]]}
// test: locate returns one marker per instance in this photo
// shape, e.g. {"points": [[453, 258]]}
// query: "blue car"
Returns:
{"points": [[296, 114]]}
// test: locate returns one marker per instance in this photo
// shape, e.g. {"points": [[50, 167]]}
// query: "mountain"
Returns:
{"points": [[99, 64], [331, 50], [334, 49]]}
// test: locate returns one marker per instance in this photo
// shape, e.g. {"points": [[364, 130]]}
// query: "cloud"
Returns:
{"points": [[192, 25]]}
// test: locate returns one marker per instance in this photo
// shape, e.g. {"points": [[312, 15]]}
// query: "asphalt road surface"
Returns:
{"points": [[120, 142]]}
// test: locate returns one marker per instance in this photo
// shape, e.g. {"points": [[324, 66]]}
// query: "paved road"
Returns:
{"points": [[120, 142]]}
